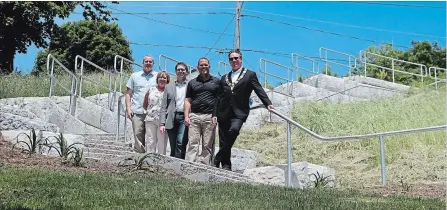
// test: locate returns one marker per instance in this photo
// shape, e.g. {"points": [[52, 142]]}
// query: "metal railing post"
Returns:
{"points": [[289, 155], [392, 64], [119, 117], [382, 160]]}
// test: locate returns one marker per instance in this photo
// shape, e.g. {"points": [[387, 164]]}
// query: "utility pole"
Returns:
{"points": [[237, 33]]}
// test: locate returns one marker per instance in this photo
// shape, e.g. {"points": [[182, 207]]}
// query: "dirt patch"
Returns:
{"points": [[21, 159]]}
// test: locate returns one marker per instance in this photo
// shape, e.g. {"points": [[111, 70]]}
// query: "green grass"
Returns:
{"points": [[22, 188], [413, 158], [16, 85]]}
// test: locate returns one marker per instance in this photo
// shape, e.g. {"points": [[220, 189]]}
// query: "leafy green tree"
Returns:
{"points": [[421, 52], [25, 23], [96, 41]]}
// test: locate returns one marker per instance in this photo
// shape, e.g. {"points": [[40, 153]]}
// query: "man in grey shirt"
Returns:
{"points": [[137, 86]]}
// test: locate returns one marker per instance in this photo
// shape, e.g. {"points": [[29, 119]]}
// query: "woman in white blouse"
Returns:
{"points": [[156, 141]]}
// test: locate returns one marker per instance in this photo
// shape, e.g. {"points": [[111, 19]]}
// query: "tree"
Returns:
{"points": [[24, 23], [421, 52], [96, 41]]}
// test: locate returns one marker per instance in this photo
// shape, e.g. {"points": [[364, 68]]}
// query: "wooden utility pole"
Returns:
{"points": [[237, 33]]}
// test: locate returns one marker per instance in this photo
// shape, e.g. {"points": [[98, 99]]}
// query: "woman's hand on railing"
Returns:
{"points": [[162, 129]]}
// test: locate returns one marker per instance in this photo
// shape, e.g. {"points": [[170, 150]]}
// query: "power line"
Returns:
{"points": [[182, 7], [172, 24], [167, 13], [342, 24], [398, 5], [220, 36], [225, 50], [322, 31]]}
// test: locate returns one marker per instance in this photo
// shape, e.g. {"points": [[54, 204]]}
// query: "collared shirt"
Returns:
{"points": [[235, 75], [180, 92], [140, 82], [203, 94]]}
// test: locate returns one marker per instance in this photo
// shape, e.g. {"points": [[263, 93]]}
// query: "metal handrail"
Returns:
{"points": [[264, 71], [326, 60], [81, 74], [343, 138], [74, 82], [120, 71], [314, 63], [118, 121], [166, 58], [225, 69], [435, 70], [364, 53]]}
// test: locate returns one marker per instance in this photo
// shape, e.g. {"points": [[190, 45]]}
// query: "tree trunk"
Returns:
{"points": [[7, 57]]}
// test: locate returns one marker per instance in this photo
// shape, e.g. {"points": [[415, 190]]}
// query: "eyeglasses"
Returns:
{"points": [[180, 69], [233, 58]]}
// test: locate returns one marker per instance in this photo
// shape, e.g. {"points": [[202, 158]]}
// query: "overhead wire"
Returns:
{"points": [[167, 13], [347, 25], [172, 24], [322, 31], [226, 28], [398, 5]]}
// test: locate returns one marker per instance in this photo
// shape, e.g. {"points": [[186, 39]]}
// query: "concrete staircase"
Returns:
{"points": [[104, 147]]}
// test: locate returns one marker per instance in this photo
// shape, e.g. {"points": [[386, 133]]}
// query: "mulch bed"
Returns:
{"points": [[21, 159]]}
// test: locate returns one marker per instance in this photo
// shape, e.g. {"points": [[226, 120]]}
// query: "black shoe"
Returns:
{"points": [[216, 163]]}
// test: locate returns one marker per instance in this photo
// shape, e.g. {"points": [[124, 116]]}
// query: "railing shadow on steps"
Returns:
{"points": [[74, 81], [381, 135]]}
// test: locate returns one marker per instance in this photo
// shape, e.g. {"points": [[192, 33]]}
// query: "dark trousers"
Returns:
{"points": [[228, 132], [178, 136]]}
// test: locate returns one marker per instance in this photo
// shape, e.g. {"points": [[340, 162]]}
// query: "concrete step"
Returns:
{"points": [[108, 136], [109, 147], [103, 156], [109, 151], [106, 142]]}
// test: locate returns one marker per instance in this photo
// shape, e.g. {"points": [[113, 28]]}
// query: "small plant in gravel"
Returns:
{"points": [[64, 150], [138, 161], [34, 143], [77, 157], [320, 180]]}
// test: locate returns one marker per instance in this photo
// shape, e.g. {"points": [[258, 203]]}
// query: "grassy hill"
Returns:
{"points": [[411, 159]]}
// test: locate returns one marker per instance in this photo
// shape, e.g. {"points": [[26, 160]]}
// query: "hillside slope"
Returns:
{"points": [[413, 159]]}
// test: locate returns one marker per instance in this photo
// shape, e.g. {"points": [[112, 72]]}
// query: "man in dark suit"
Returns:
{"points": [[232, 107]]}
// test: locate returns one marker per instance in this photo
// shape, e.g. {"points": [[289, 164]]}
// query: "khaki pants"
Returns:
{"points": [[201, 136], [156, 142], [139, 131]]}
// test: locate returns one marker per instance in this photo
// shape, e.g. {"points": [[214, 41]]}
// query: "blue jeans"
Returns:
{"points": [[178, 136]]}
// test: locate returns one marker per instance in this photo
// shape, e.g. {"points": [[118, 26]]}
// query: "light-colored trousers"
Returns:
{"points": [[201, 136], [156, 142], [139, 131]]}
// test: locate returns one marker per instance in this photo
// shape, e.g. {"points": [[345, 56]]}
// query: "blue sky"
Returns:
{"points": [[257, 34]]}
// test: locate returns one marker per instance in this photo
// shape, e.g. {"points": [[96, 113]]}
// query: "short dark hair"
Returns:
{"points": [[203, 58], [183, 64], [235, 51]]}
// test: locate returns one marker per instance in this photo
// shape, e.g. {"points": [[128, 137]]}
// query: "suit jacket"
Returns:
{"points": [[237, 101], [168, 106]]}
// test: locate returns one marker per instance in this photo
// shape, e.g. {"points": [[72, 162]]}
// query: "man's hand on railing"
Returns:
{"points": [[270, 107], [129, 114]]}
